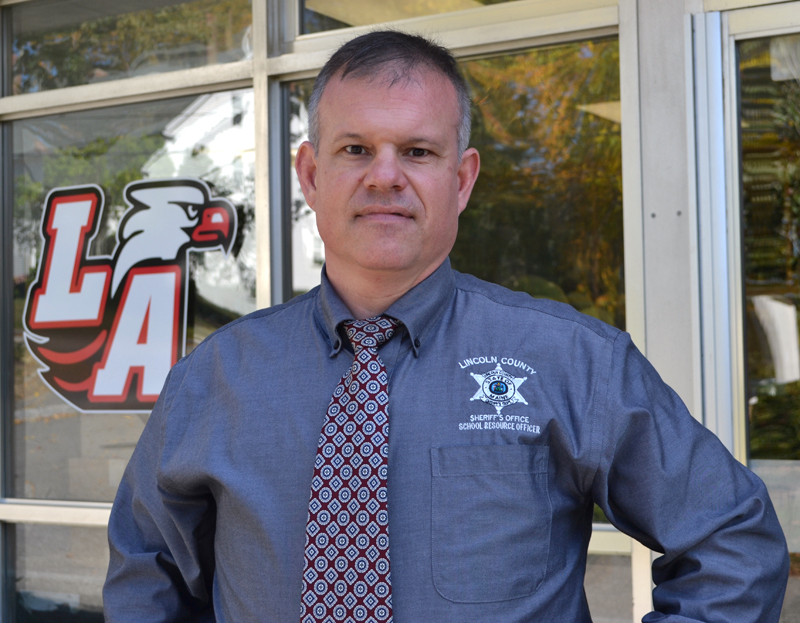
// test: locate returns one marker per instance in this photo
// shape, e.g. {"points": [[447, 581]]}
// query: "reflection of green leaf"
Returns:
{"points": [[110, 162], [580, 301], [598, 516], [539, 288], [787, 109], [599, 313]]}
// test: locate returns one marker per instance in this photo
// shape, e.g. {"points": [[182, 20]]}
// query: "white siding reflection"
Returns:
{"points": [[779, 321]]}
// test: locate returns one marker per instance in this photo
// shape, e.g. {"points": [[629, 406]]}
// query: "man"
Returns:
{"points": [[256, 495]]}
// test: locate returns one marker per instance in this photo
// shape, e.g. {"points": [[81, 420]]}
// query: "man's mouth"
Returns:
{"points": [[386, 214]]}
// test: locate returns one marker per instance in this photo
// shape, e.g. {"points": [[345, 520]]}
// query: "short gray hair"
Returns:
{"points": [[399, 54]]}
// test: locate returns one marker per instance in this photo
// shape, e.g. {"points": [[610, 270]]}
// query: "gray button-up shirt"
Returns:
{"points": [[509, 417]]}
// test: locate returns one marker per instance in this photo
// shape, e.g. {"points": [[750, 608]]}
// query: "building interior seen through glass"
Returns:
{"points": [[769, 75], [60, 43], [59, 573], [69, 442], [547, 125]]}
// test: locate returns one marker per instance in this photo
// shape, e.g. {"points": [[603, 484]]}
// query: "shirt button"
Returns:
{"points": [[416, 342]]}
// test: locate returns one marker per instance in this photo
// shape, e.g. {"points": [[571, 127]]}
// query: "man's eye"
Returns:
{"points": [[418, 152], [356, 150]]}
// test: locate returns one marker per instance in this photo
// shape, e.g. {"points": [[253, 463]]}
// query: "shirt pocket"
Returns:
{"points": [[491, 517]]}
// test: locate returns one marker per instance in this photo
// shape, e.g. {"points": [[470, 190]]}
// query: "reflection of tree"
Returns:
{"points": [[186, 35], [770, 139], [299, 95], [111, 163], [112, 157], [28, 204], [546, 213], [242, 195], [775, 422], [770, 180]]}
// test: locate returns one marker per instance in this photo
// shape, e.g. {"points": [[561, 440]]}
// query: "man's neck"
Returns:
{"points": [[370, 293]]}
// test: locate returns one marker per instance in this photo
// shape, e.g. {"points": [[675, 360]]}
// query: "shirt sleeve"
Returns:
{"points": [[669, 483], [160, 539]]}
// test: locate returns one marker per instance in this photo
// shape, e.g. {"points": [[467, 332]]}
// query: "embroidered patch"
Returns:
{"points": [[498, 388]]}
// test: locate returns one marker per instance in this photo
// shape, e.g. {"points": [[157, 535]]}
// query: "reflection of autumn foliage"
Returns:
{"points": [[546, 213], [122, 44]]}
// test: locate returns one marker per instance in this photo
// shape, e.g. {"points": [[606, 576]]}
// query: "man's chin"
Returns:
{"points": [[384, 260], [409, 271]]}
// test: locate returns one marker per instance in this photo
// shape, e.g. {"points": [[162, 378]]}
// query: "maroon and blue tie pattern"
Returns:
{"points": [[346, 575]]}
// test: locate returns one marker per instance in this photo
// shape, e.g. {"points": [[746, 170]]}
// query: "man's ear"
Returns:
{"points": [[467, 174], [305, 163]]}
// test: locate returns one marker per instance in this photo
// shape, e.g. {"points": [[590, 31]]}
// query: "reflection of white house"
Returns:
{"points": [[779, 321], [308, 253], [214, 140], [784, 58], [24, 260]]}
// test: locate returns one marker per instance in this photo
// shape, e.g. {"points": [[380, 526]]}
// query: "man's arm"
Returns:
{"points": [[669, 483], [161, 539]]}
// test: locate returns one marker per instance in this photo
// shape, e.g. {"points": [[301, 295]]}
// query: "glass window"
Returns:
{"points": [[133, 241], [320, 15], [769, 81], [61, 43], [59, 573], [608, 586], [545, 216]]}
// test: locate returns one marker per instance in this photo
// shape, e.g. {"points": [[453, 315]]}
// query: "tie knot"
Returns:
{"points": [[370, 333]]}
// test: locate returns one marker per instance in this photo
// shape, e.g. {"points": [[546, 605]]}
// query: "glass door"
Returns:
{"points": [[765, 55]]}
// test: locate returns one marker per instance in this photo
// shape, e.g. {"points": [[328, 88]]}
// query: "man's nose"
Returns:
{"points": [[385, 171]]}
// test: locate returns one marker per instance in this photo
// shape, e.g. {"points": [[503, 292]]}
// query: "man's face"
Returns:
{"points": [[386, 182]]}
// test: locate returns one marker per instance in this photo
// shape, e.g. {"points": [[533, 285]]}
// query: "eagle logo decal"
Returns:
{"points": [[107, 329]]}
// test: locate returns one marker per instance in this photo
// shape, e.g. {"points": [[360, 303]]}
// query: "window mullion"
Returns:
{"points": [[128, 91], [262, 140]]}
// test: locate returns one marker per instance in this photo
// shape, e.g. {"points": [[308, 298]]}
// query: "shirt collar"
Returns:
{"points": [[418, 309]]}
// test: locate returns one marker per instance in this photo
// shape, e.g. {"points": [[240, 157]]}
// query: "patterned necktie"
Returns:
{"points": [[346, 574]]}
